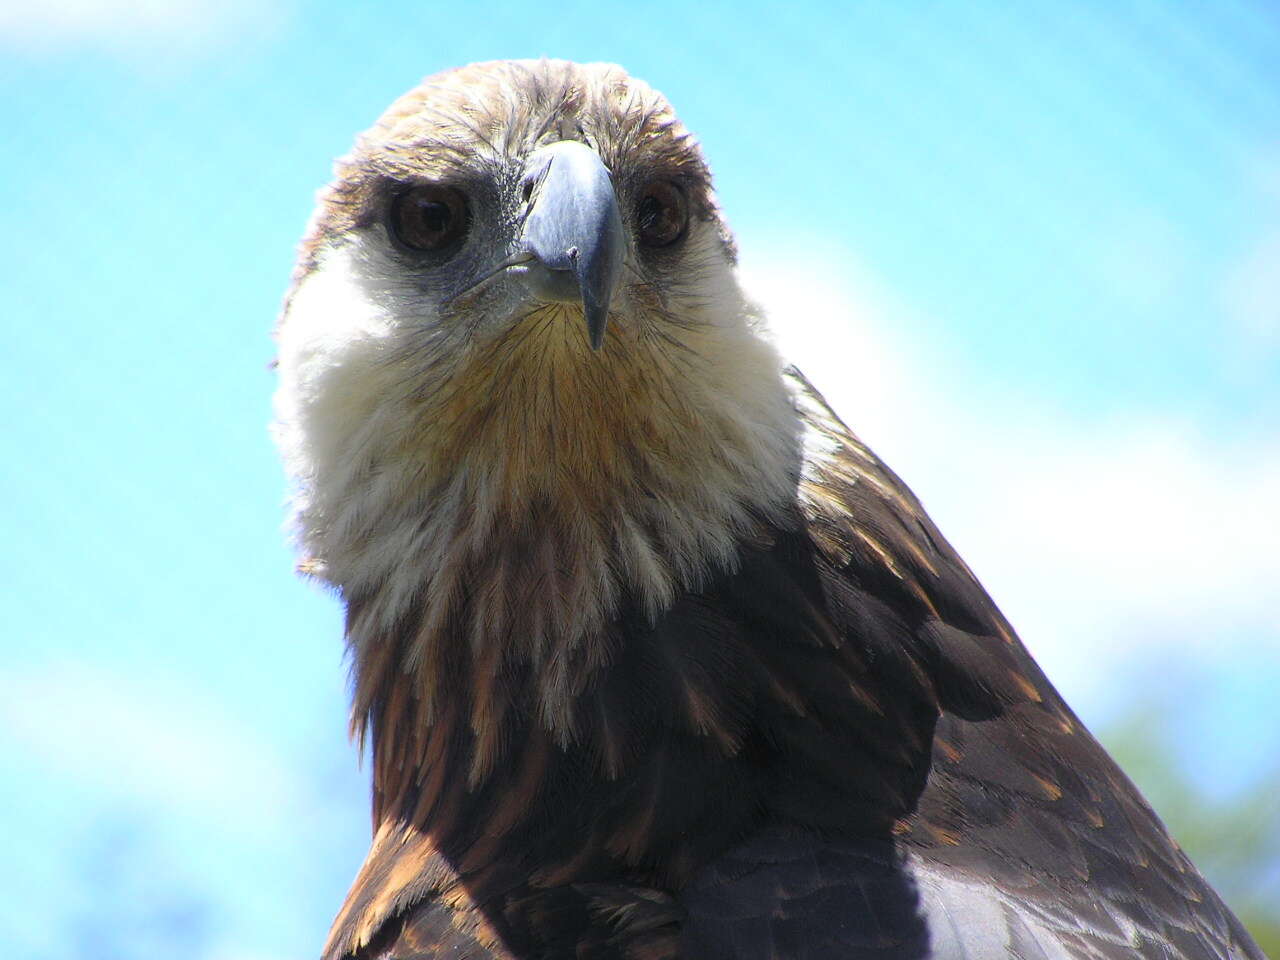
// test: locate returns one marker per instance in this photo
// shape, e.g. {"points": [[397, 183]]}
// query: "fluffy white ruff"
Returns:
{"points": [[412, 469]]}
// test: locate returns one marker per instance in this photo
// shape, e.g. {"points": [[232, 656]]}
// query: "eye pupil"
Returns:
{"points": [[428, 218], [661, 215], [434, 217], [650, 211]]}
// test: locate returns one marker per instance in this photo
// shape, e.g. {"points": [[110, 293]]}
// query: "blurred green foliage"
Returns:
{"points": [[1234, 839]]}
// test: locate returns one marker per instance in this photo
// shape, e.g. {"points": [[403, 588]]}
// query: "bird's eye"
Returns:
{"points": [[428, 218], [662, 215]]}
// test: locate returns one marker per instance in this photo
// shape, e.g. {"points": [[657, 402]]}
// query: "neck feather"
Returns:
{"points": [[511, 510]]}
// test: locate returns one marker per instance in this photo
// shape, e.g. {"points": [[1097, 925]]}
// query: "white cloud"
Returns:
{"points": [[1140, 259], [1260, 169], [1252, 294], [166, 29], [1099, 540], [217, 800], [154, 742]]}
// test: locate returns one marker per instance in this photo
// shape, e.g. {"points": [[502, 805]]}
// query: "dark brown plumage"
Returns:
{"points": [[829, 745]]}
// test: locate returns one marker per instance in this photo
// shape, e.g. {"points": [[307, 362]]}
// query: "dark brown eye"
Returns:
{"points": [[661, 215], [428, 217]]}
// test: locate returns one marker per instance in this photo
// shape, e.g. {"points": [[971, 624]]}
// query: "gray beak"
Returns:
{"points": [[574, 229]]}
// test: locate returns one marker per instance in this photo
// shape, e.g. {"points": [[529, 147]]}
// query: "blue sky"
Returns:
{"points": [[1032, 252]]}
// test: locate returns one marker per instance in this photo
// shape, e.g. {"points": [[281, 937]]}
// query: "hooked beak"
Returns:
{"points": [[574, 231]]}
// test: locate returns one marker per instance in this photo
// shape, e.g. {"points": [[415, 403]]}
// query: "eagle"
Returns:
{"points": [[652, 656]]}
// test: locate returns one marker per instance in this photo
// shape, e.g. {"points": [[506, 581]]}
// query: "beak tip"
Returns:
{"points": [[596, 324]]}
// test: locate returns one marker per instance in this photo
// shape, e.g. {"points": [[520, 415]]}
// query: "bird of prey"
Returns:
{"points": [[654, 658]]}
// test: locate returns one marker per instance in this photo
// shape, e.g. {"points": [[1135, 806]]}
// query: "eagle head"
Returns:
{"points": [[516, 339]]}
